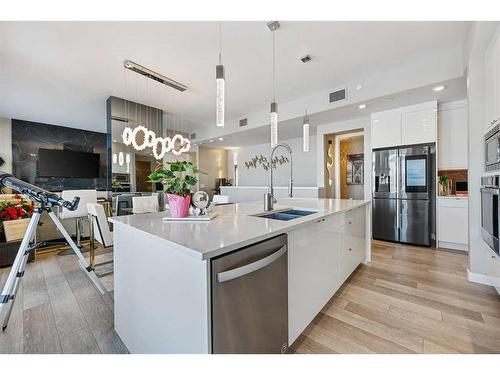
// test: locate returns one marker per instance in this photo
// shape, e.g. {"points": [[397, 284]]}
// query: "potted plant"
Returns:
{"points": [[444, 182], [15, 215], [177, 178]]}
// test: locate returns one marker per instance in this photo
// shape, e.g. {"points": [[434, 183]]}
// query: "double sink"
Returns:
{"points": [[285, 215]]}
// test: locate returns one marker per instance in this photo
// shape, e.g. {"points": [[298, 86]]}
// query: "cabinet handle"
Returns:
{"points": [[350, 249], [350, 222]]}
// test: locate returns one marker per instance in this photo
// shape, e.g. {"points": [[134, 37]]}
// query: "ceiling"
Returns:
{"points": [[455, 89], [62, 72]]}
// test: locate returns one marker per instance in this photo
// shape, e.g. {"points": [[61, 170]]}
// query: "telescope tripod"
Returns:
{"points": [[9, 291]]}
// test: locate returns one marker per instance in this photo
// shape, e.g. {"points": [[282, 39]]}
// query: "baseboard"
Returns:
{"points": [[484, 279], [453, 246]]}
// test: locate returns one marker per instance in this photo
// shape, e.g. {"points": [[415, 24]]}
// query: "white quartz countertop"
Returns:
{"points": [[233, 228]]}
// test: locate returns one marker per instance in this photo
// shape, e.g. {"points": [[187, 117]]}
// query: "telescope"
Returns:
{"points": [[46, 200], [35, 193]]}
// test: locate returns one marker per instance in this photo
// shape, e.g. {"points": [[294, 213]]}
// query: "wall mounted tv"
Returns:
{"points": [[66, 163]]}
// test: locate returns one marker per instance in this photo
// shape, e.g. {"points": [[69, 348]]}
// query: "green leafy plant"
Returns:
{"points": [[443, 180], [116, 184], [176, 178]]}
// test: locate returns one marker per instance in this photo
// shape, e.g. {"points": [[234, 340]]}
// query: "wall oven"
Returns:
{"points": [[489, 211], [492, 148]]}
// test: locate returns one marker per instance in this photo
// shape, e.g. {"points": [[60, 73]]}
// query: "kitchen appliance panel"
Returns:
{"points": [[490, 211], [250, 299], [414, 221], [385, 219], [492, 149], [415, 176], [385, 172]]}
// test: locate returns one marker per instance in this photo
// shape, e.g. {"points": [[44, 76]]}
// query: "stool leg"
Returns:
{"points": [[92, 241]]}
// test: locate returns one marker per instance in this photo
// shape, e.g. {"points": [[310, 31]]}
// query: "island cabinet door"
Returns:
{"points": [[352, 248], [312, 271]]}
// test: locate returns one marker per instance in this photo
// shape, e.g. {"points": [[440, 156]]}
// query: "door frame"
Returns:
{"points": [[338, 138]]}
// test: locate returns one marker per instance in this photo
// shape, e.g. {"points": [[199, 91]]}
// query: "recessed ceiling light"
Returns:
{"points": [[221, 139], [359, 87], [211, 140], [390, 100], [362, 106], [439, 88]]}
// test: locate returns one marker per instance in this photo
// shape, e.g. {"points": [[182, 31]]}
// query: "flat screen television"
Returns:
{"points": [[66, 163]]}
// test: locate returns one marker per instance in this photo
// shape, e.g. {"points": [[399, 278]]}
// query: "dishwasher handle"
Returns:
{"points": [[249, 268]]}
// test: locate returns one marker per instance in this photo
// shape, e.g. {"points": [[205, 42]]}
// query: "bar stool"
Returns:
{"points": [[86, 196], [99, 230]]}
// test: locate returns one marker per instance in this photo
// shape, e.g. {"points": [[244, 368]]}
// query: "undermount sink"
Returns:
{"points": [[285, 215]]}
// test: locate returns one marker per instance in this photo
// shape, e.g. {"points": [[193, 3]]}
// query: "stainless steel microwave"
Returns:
{"points": [[492, 148]]}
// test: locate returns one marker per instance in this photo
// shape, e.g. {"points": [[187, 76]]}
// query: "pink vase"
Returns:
{"points": [[179, 205]]}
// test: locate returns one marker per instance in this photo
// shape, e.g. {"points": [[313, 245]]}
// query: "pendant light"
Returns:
{"points": [[305, 133], [273, 26], [219, 77]]}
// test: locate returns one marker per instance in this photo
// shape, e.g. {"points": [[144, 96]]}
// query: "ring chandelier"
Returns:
{"points": [[164, 145]]}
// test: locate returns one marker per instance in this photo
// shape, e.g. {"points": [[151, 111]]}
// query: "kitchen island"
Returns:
{"points": [[163, 270]]}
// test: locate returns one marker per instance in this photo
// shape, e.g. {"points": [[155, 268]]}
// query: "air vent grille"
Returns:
{"points": [[338, 95], [244, 122]]}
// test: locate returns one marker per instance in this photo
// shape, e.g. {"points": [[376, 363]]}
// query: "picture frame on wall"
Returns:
{"points": [[355, 169]]}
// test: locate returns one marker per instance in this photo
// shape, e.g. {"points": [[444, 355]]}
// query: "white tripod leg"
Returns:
{"points": [[83, 262], [16, 272]]}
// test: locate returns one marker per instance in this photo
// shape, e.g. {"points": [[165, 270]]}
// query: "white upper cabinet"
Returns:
{"points": [[452, 135], [405, 126], [386, 129], [492, 81], [418, 127]]}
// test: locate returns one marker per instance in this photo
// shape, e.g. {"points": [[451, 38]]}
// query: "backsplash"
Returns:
{"points": [[454, 175]]}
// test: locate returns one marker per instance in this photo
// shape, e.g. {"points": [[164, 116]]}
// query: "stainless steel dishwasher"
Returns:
{"points": [[250, 299]]}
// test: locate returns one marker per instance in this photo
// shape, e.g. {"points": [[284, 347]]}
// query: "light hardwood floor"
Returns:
{"points": [[58, 310], [408, 300]]}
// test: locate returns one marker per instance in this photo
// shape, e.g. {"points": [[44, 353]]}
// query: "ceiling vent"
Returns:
{"points": [[192, 136], [243, 122], [305, 59], [338, 95], [153, 75]]}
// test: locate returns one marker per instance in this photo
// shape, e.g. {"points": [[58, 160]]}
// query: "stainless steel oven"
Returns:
{"points": [[492, 148], [489, 211]]}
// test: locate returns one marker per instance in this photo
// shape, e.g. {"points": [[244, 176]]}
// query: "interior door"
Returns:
{"points": [[142, 171]]}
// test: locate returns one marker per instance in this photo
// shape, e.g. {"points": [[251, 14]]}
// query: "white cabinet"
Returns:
{"points": [[352, 243], [312, 272], [386, 129], [321, 256], [418, 127], [405, 126], [453, 230], [492, 81], [452, 135]]}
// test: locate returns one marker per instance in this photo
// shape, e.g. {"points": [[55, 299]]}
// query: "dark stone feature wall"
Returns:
{"points": [[28, 137]]}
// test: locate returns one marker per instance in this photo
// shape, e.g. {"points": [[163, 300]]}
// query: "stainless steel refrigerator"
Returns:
{"points": [[404, 194]]}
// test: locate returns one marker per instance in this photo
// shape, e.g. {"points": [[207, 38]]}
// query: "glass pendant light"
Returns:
{"points": [[305, 133], [273, 26], [219, 76]]}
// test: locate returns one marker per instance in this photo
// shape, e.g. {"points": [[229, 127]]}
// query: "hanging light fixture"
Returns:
{"points": [[305, 133], [273, 26], [219, 77]]}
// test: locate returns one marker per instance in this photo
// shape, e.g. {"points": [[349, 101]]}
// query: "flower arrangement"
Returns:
{"points": [[16, 208]]}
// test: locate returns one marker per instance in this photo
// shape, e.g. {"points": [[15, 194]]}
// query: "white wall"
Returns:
{"points": [[480, 256], [6, 144], [358, 123], [304, 165]]}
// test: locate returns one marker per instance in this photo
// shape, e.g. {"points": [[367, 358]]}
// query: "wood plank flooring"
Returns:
{"points": [[408, 300], [58, 310]]}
